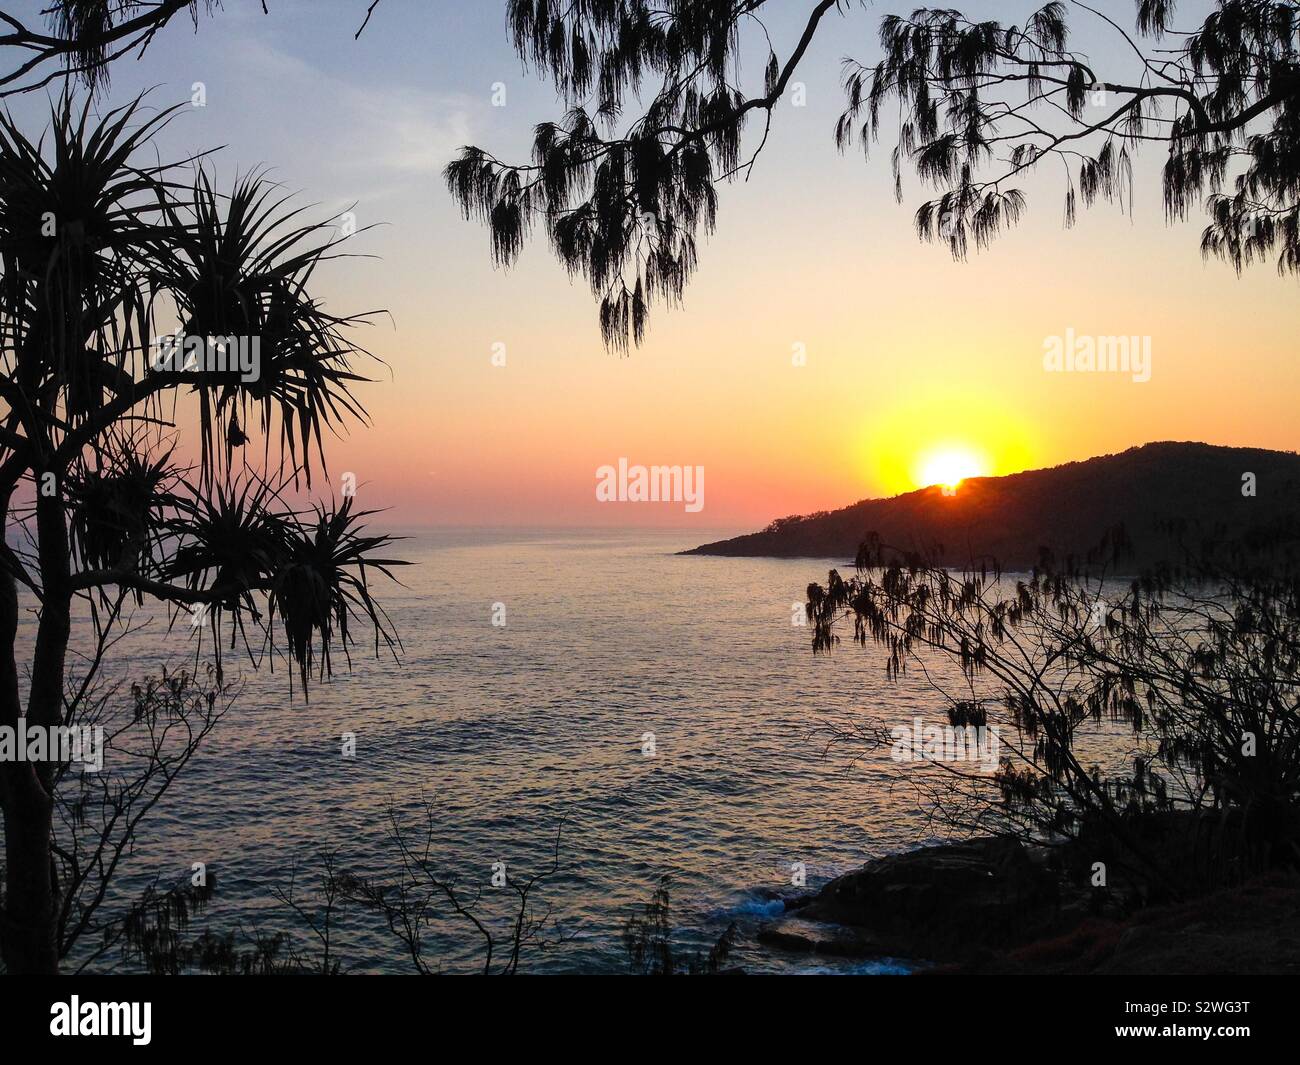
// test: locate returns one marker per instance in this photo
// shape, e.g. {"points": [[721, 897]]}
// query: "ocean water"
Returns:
{"points": [[508, 731]]}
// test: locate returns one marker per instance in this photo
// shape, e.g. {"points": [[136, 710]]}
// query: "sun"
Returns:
{"points": [[949, 466]]}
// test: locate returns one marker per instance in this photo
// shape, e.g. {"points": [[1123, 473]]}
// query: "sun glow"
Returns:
{"points": [[949, 466], [942, 437]]}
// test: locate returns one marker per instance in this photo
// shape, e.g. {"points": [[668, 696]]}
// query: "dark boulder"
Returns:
{"points": [[813, 937], [950, 902]]}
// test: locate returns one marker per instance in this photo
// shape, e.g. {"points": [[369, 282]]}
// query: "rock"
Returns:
{"points": [[943, 903], [788, 936], [1249, 928], [810, 937]]}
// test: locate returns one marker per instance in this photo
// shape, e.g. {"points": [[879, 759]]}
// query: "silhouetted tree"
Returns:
{"points": [[623, 189], [980, 103], [83, 37], [99, 250], [416, 900], [1199, 666], [148, 741]]}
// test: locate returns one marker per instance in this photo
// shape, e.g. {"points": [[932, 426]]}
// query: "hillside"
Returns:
{"points": [[1068, 509]]}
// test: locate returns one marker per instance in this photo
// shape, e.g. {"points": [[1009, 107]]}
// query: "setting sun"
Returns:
{"points": [[950, 466], [944, 435]]}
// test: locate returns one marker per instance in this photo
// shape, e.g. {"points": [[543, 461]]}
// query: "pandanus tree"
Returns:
{"points": [[103, 251]]}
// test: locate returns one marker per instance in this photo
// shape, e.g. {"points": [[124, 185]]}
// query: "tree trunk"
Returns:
{"points": [[27, 934], [31, 906]]}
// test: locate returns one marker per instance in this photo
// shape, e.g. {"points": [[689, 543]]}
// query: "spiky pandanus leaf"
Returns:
{"points": [[324, 585], [241, 270], [118, 498], [78, 228], [228, 536], [310, 570]]}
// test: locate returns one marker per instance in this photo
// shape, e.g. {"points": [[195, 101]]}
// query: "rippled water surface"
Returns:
{"points": [[508, 730]]}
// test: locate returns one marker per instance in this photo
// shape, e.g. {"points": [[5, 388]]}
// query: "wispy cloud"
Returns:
{"points": [[381, 135]]}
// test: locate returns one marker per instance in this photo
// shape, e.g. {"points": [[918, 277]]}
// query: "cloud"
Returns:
{"points": [[384, 136], [407, 132]]}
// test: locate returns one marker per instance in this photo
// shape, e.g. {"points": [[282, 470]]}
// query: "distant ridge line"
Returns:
{"points": [[1067, 509]]}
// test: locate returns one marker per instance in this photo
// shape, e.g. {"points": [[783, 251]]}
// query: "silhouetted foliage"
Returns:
{"points": [[1199, 665], [981, 103], [101, 247], [623, 206], [623, 189], [82, 38], [648, 940]]}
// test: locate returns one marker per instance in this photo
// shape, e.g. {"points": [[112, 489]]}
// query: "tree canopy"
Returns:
{"points": [[106, 258], [661, 108], [623, 189]]}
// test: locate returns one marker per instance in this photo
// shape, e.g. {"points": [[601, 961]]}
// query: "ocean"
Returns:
{"points": [[664, 709]]}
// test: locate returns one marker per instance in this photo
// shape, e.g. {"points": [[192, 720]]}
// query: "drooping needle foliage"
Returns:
{"points": [[626, 181]]}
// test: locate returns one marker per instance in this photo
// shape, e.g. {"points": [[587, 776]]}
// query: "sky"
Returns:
{"points": [[906, 354]]}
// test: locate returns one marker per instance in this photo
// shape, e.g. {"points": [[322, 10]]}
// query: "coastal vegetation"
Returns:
{"points": [[1131, 623], [104, 250]]}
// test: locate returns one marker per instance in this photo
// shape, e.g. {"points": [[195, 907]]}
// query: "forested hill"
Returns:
{"points": [[1068, 509]]}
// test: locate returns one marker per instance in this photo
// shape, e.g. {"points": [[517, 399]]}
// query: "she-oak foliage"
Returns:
{"points": [[971, 108]]}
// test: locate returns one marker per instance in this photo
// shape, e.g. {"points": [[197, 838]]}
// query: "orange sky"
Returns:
{"points": [[906, 350]]}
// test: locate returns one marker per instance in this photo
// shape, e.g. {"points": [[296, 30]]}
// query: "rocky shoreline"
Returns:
{"points": [[994, 905], [944, 903]]}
